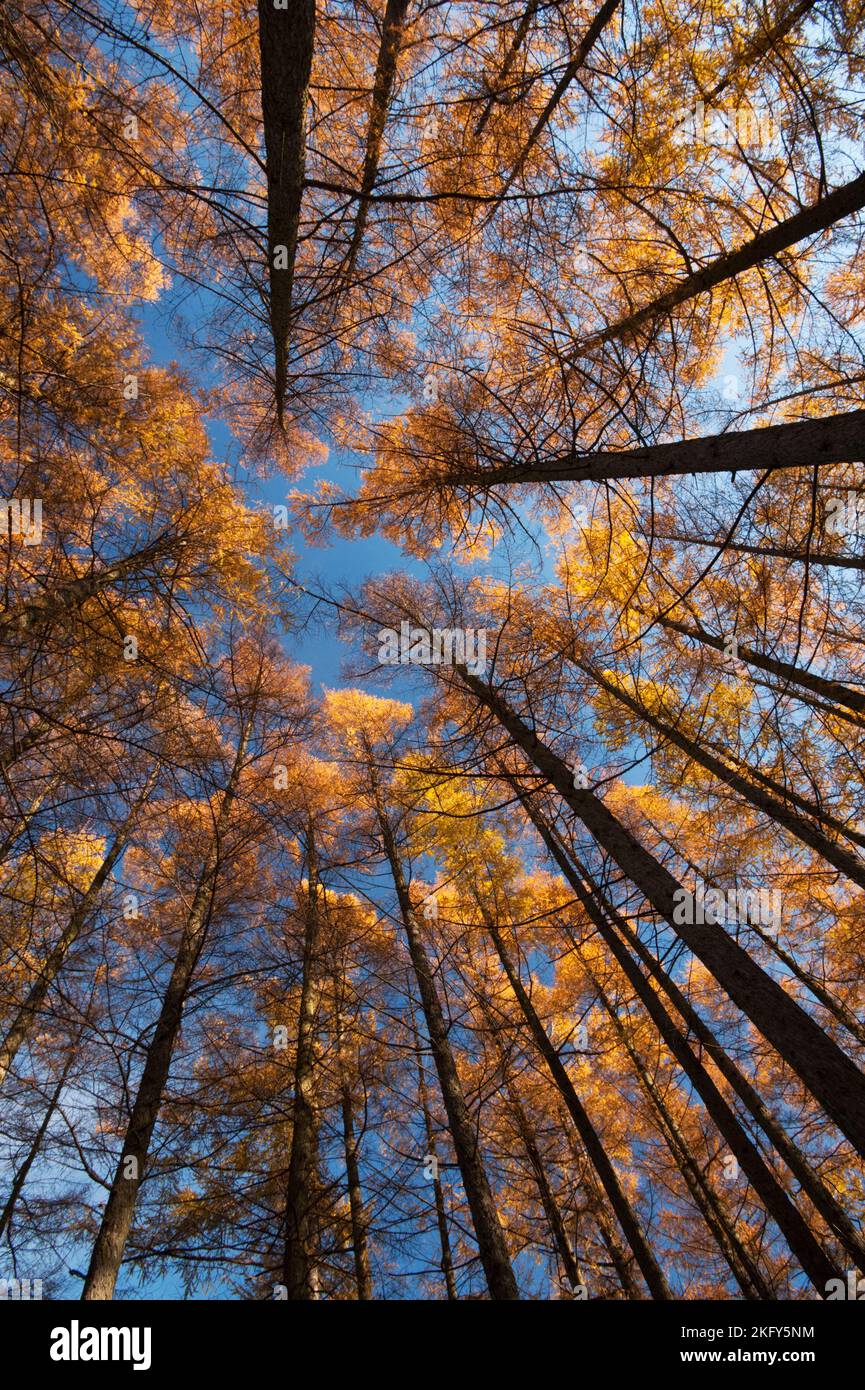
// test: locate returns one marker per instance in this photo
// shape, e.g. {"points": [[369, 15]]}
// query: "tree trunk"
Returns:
{"points": [[362, 1275], [298, 1262], [835, 1007], [555, 1221], [22, 825], [812, 557], [810, 443], [831, 1076], [611, 926], [841, 202], [21, 1176], [107, 1254], [393, 27], [488, 1232], [744, 1270], [447, 1264], [33, 612], [833, 691], [589, 1137], [795, 798], [286, 42], [584, 48], [497, 87], [842, 859]]}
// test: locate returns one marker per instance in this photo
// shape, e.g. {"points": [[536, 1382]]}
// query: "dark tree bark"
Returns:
{"points": [[824, 559], [298, 1263], [795, 798], [786, 1215], [760, 43], [613, 926], [24, 820], [66, 598], [351, 1148], [32, 1153], [833, 691], [286, 42], [497, 87], [744, 1270], [393, 28], [584, 48], [363, 1278], [447, 1263], [555, 1221], [832, 1077], [554, 1217], [835, 1007], [107, 1253], [837, 855], [488, 1232], [801, 444], [841, 202], [589, 1137]]}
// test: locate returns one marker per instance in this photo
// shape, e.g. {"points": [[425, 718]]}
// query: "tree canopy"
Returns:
{"points": [[518, 951]]}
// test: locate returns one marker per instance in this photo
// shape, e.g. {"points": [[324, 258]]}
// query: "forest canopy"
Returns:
{"points": [[432, 820]]}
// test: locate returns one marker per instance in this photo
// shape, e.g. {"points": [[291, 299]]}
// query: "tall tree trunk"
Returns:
{"points": [[795, 798], [835, 1007], [584, 48], [744, 1270], [786, 1215], [834, 712], [589, 1137], [833, 691], [840, 203], [298, 1259], [393, 27], [622, 1262], [722, 543], [362, 1275], [34, 612], [447, 1264], [498, 85], [841, 858], [488, 1232], [833, 1078], [23, 822], [611, 926], [363, 1278], [555, 1221], [21, 1176], [286, 43], [809, 443], [110, 1243]]}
